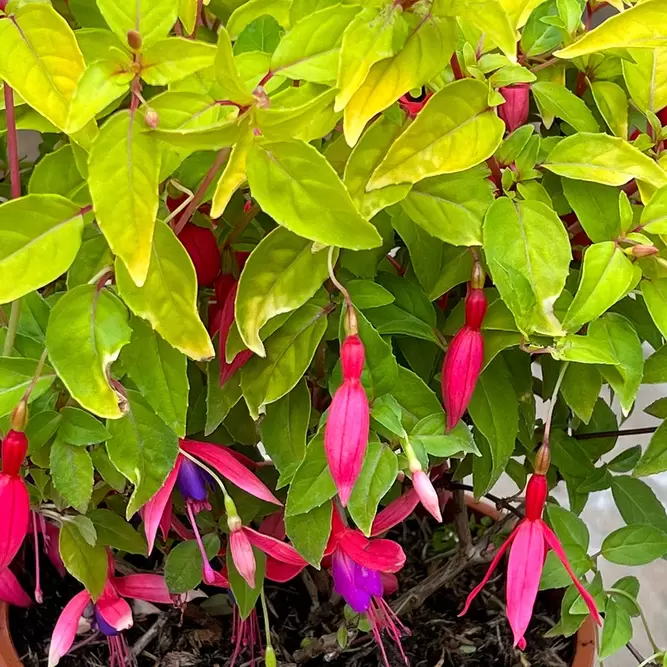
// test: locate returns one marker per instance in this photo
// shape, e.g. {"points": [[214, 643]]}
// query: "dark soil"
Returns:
{"points": [[300, 615]]}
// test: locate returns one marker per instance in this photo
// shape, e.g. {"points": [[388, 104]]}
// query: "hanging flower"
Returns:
{"points": [[227, 318], [202, 246], [529, 543], [11, 591], [413, 105], [346, 430], [515, 109]]}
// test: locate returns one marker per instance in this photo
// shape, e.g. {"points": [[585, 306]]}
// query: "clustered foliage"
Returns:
{"points": [[226, 190]]}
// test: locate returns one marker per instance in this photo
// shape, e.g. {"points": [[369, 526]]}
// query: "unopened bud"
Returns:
{"points": [[643, 250], [477, 279], [270, 657], [134, 40], [234, 523], [14, 450], [476, 305], [19, 417], [230, 509], [515, 110], [352, 356], [542, 460], [351, 322], [151, 118]]}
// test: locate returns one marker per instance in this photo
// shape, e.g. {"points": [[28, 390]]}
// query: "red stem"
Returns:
{"points": [[456, 68], [12, 143], [267, 77], [200, 5], [581, 84], [496, 175]]}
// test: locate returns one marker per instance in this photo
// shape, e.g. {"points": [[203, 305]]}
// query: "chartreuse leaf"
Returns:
{"points": [[655, 296], [168, 298], [72, 473], [281, 274], [183, 566], [371, 36], [233, 175], [246, 13], [451, 207], [494, 412], [612, 102], [646, 78], [39, 249], [365, 157], [427, 50], [86, 332], [173, 59], [284, 429], [289, 352], [244, 596], [603, 159], [226, 73], [97, 43], [57, 173], [123, 182], [300, 190], [152, 19], [556, 100], [160, 373], [84, 562], [639, 26], [79, 427], [637, 544], [596, 207], [187, 14], [309, 532], [310, 50], [114, 531], [16, 375], [456, 130], [376, 478], [528, 252], [40, 60], [654, 215], [143, 448], [607, 276], [92, 260]]}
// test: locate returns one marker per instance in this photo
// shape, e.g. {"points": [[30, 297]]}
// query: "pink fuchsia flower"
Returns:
{"points": [[11, 591], [529, 542], [515, 109], [227, 318], [192, 482], [202, 246], [111, 614], [464, 358], [427, 494], [413, 105], [346, 430], [14, 498]]}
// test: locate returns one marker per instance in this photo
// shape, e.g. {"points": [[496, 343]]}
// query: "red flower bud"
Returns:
{"points": [[202, 247], [537, 491], [643, 250], [475, 309], [14, 450], [134, 40], [352, 358], [413, 105], [151, 118], [515, 110]]}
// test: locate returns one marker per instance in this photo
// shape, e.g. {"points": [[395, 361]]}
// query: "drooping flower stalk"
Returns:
{"points": [[465, 354]]}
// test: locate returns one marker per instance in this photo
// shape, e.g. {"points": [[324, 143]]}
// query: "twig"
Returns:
{"points": [[500, 502], [647, 430], [150, 634], [461, 523], [552, 404]]}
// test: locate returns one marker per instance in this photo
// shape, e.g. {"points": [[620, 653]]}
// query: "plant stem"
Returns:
{"points": [[335, 280], [456, 68], [646, 430], [622, 593], [461, 522], [544, 65], [501, 502], [265, 611], [12, 328], [35, 378], [552, 404], [223, 154]]}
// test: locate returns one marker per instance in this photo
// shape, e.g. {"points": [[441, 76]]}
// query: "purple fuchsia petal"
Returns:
{"points": [[191, 481], [369, 581], [344, 572]]}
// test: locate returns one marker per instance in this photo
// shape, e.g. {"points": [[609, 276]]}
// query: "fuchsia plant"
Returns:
{"points": [[267, 300]]}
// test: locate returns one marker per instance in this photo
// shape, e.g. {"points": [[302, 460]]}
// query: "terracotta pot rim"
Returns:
{"points": [[584, 654], [8, 655]]}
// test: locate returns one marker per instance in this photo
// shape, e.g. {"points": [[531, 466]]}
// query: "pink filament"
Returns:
{"points": [[39, 598], [383, 619], [209, 575]]}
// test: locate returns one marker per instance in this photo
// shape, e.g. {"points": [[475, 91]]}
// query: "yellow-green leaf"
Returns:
{"points": [[427, 50], [640, 26], [603, 159], [646, 78], [454, 131], [654, 215], [123, 182], [168, 298], [173, 59], [249, 11], [228, 76], [85, 334], [556, 100], [152, 19], [655, 296], [41, 60], [300, 190], [40, 235], [233, 175], [187, 13], [612, 103]]}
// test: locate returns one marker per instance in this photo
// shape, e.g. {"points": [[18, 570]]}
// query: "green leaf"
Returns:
{"points": [[603, 159], [249, 11], [168, 297], [654, 459], [371, 36], [494, 412], [219, 400], [16, 376], [555, 575], [143, 448], [630, 586], [570, 456], [41, 428], [626, 460], [639, 26], [187, 13], [617, 630], [173, 59], [280, 275], [284, 429], [289, 352], [72, 474], [244, 596], [312, 484], [596, 207], [655, 368], [92, 260], [456, 130], [376, 478], [297, 187], [527, 241], [580, 389], [233, 175], [183, 565], [114, 531], [429, 433], [261, 34], [152, 19], [637, 502], [41, 60], [655, 296], [123, 181], [556, 100], [654, 214], [160, 373], [226, 72], [387, 412], [57, 173], [570, 529], [596, 589], [607, 276], [309, 532], [635, 545], [367, 294], [310, 50], [42, 247], [612, 102], [646, 78], [86, 332], [80, 428], [427, 50], [451, 208], [84, 562], [417, 401], [114, 478]]}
